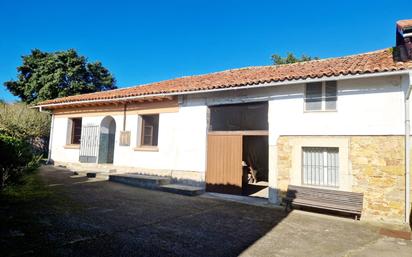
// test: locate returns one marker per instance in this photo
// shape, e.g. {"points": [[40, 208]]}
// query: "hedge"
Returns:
{"points": [[16, 159]]}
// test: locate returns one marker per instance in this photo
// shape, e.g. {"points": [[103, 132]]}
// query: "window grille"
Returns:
{"points": [[320, 166]]}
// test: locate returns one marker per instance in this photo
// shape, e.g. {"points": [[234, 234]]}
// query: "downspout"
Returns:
{"points": [[124, 116], [50, 137], [407, 150]]}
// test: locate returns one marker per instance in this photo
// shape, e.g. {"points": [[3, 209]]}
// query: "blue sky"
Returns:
{"points": [[142, 42]]}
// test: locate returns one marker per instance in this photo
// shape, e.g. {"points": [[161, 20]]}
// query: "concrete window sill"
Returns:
{"points": [[147, 148], [72, 147], [319, 111]]}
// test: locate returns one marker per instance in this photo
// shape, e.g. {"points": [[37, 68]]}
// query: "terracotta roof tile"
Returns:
{"points": [[378, 61]]}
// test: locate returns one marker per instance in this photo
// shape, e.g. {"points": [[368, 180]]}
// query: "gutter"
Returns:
{"points": [[407, 150], [263, 85]]}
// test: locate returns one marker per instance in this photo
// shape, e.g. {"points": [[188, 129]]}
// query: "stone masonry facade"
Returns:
{"points": [[284, 164], [377, 166]]}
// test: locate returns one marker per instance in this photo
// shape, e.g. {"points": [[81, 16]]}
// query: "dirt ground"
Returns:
{"points": [[90, 217]]}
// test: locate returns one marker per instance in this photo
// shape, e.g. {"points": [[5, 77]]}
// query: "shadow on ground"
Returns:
{"points": [[100, 218]]}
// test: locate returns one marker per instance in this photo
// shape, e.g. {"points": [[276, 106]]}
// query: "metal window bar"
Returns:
{"points": [[320, 166]]}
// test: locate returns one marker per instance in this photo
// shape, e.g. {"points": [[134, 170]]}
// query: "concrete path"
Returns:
{"points": [[100, 218], [308, 234]]}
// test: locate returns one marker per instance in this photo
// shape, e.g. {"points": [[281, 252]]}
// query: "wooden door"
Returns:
{"points": [[224, 164]]}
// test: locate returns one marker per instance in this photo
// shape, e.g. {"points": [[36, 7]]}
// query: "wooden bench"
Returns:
{"points": [[334, 200]]}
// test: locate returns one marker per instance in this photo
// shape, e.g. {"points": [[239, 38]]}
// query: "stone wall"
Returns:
{"points": [[378, 172], [284, 164], [376, 165]]}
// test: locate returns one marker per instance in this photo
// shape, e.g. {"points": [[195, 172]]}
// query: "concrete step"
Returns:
{"points": [[155, 183], [93, 174], [145, 181], [182, 189]]}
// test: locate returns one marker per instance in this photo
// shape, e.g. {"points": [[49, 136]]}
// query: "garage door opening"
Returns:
{"points": [[237, 154]]}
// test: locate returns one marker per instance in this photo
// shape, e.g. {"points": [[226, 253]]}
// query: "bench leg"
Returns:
{"points": [[288, 206]]}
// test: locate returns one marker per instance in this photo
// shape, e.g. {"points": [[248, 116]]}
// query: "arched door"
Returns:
{"points": [[107, 137]]}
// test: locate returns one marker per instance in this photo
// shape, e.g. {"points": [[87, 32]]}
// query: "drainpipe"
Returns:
{"points": [[50, 137], [124, 116], [407, 150]]}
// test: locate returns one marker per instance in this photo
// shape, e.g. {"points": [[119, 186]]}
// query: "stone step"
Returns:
{"points": [[182, 189], [145, 181]]}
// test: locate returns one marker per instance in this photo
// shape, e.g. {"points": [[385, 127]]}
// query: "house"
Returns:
{"points": [[338, 123]]}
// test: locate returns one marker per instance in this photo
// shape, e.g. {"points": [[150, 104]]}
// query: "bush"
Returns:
{"points": [[20, 121], [16, 159]]}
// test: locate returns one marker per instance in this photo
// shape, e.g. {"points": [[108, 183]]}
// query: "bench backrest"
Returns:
{"points": [[326, 198]]}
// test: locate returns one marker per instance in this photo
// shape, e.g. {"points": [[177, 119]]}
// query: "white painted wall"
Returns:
{"points": [[59, 137], [181, 144], [364, 107], [369, 106]]}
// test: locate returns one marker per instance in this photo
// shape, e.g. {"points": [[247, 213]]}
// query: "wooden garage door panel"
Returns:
{"points": [[224, 164]]}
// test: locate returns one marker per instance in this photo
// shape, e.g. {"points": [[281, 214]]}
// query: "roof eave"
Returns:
{"points": [[260, 85]]}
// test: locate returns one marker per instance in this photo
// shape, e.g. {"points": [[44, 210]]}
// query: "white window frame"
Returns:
{"points": [[323, 99], [70, 128], [325, 167], [139, 143]]}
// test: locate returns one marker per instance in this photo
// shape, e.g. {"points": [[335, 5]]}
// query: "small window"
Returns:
{"points": [[321, 96], [76, 131], [149, 130], [320, 166]]}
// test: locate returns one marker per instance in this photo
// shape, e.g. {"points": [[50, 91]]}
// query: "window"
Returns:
{"points": [[149, 130], [321, 96], [75, 131], [232, 117], [320, 166]]}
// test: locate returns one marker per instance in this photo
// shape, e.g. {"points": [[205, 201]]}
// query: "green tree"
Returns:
{"points": [[291, 58], [44, 76]]}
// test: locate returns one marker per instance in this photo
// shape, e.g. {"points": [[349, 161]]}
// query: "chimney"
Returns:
{"points": [[404, 37]]}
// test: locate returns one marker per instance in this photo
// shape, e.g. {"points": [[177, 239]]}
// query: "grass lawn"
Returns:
{"points": [[32, 188]]}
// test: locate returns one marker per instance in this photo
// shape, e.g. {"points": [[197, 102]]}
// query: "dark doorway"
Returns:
{"points": [[256, 165], [107, 138]]}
